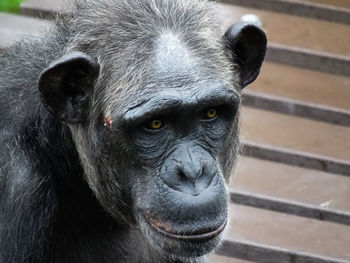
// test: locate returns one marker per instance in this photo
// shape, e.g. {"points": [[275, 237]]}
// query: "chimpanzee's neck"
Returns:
{"points": [[48, 144]]}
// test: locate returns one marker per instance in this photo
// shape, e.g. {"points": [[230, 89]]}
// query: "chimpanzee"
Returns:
{"points": [[119, 131]]}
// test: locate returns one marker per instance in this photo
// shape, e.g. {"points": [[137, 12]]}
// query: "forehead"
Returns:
{"points": [[176, 71], [178, 65], [172, 57], [182, 66]]}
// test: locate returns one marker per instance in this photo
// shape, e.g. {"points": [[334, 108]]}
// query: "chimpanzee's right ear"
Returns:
{"points": [[66, 85]]}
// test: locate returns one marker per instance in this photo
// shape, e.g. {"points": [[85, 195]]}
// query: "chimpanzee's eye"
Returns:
{"points": [[210, 114], [154, 125]]}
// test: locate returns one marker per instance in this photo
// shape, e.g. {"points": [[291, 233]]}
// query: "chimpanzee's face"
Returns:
{"points": [[180, 144], [180, 131]]}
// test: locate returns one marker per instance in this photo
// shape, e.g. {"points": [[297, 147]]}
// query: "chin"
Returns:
{"points": [[182, 246]]}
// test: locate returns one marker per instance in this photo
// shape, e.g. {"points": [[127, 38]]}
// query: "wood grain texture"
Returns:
{"points": [[296, 31], [338, 3], [269, 254], [223, 259], [299, 134], [289, 207], [337, 12], [309, 59], [296, 184], [266, 236], [302, 85], [297, 108]]}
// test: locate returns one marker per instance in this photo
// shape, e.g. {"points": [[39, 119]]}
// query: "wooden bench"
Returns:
{"points": [[316, 95], [14, 27], [291, 189]]}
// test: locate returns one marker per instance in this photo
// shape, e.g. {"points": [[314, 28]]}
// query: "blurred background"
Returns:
{"points": [[291, 190]]}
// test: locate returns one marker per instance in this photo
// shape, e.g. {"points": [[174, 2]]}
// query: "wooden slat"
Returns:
{"points": [[325, 143], [297, 158], [291, 190], [269, 254], [14, 28], [296, 31], [287, 182], [291, 90], [299, 8], [297, 108], [43, 8], [338, 3], [222, 259], [265, 236], [289, 207], [302, 85], [309, 59]]}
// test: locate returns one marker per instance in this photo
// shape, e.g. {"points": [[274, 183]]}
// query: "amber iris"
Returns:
{"points": [[211, 113], [156, 124]]}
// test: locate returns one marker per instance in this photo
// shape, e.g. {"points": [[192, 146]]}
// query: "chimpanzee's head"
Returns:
{"points": [[152, 102]]}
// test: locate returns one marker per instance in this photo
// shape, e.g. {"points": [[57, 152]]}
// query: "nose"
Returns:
{"points": [[189, 170]]}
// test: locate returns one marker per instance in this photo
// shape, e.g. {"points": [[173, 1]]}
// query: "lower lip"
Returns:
{"points": [[199, 237]]}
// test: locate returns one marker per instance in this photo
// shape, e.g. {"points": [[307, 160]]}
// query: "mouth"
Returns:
{"points": [[197, 236]]}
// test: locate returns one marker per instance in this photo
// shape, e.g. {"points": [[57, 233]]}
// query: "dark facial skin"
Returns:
{"points": [[179, 192], [177, 135]]}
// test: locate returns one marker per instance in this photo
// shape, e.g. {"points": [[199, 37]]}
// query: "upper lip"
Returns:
{"points": [[189, 237]]}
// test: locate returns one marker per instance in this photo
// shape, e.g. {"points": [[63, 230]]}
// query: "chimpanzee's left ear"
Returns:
{"points": [[247, 43], [66, 85]]}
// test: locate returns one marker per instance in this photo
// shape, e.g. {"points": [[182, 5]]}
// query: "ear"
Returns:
{"points": [[247, 44], [66, 84]]}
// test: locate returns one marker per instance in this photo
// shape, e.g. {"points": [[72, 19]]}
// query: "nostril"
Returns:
{"points": [[183, 178], [189, 175]]}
